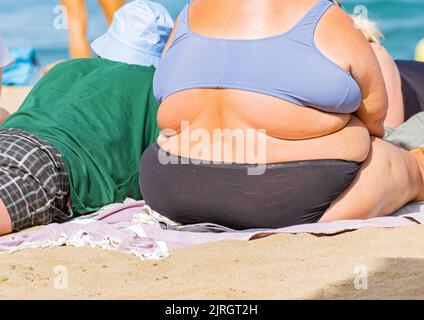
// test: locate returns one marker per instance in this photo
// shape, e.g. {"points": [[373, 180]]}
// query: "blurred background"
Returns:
{"points": [[29, 23]]}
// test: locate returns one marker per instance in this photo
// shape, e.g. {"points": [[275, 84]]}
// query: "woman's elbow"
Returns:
{"points": [[376, 128]]}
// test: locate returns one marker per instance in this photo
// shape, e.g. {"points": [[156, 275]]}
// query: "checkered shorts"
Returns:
{"points": [[34, 184]]}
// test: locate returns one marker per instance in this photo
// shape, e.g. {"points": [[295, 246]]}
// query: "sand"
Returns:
{"points": [[12, 97], [391, 263], [364, 264]]}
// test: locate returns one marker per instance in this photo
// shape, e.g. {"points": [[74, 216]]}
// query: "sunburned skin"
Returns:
{"points": [[293, 132], [337, 145]]}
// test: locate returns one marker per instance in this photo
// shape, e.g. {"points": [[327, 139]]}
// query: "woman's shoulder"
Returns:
{"points": [[338, 23], [337, 32]]}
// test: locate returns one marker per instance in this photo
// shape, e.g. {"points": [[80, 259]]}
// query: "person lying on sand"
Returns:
{"points": [[75, 143], [404, 79], [290, 85], [5, 60]]}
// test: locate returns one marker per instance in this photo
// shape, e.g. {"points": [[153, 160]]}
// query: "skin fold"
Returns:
{"points": [[389, 176]]}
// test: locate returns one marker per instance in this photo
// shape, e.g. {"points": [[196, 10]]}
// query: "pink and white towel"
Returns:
{"points": [[134, 228]]}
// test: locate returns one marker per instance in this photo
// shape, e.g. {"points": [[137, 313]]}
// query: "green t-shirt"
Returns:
{"points": [[101, 116]]}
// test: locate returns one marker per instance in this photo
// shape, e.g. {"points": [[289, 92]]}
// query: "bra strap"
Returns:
{"points": [[184, 16], [304, 31], [183, 22]]}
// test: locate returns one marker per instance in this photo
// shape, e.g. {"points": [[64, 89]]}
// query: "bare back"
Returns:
{"points": [[293, 132]]}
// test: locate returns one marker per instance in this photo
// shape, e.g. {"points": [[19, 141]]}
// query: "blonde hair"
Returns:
{"points": [[369, 28]]}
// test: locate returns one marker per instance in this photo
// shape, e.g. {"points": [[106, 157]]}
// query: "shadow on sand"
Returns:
{"points": [[395, 278]]}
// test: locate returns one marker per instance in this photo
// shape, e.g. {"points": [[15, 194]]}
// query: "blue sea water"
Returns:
{"points": [[402, 23], [30, 23]]}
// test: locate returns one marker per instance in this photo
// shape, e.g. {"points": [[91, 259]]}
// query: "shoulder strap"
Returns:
{"points": [[184, 17], [183, 27]]}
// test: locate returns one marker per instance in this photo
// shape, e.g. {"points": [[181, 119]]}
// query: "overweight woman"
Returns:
{"points": [[302, 85], [404, 79]]}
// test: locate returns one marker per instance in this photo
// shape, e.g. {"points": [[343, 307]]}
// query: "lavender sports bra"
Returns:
{"points": [[288, 66]]}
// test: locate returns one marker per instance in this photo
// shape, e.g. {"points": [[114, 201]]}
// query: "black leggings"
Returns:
{"points": [[286, 194], [412, 75]]}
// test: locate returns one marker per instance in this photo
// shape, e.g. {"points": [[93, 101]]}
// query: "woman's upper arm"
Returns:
{"points": [[339, 39], [366, 70]]}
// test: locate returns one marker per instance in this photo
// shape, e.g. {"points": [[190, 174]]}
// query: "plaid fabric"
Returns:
{"points": [[34, 184]]}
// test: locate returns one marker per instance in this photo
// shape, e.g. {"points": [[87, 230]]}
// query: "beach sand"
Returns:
{"points": [[387, 264], [12, 97], [364, 264]]}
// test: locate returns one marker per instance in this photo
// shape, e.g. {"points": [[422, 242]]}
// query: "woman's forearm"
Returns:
{"points": [[376, 128]]}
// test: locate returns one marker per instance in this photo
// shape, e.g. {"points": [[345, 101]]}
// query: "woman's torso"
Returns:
{"points": [[293, 132]]}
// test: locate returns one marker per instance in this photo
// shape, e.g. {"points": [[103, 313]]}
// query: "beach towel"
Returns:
{"points": [[133, 228], [20, 72], [409, 135]]}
